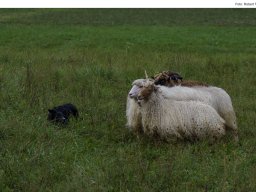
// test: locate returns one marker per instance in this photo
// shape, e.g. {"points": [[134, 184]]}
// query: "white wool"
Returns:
{"points": [[133, 115], [213, 96], [180, 119]]}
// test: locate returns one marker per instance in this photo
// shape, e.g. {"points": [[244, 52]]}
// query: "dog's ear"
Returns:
{"points": [[52, 111]]}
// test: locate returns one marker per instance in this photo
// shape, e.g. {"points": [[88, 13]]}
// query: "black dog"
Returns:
{"points": [[60, 114]]}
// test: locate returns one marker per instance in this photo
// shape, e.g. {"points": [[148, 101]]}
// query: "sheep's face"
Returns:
{"points": [[136, 87], [161, 79], [168, 78], [133, 93], [145, 92]]}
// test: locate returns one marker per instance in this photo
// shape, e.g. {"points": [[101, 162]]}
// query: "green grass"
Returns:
{"points": [[90, 57]]}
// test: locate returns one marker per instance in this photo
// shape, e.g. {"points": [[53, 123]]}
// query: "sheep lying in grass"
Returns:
{"points": [[170, 118], [214, 96], [132, 109]]}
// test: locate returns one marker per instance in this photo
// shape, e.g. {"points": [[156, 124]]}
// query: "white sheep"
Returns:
{"points": [[170, 118], [133, 114], [213, 96]]}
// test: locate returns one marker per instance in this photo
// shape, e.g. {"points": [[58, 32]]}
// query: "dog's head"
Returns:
{"points": [[57, 116]]}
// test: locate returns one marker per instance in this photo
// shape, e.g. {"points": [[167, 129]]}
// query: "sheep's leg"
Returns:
{"points": [[230, 119], [235, 135]]}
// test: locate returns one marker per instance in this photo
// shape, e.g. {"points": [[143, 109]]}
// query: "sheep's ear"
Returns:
{"points": [[176, 77], [179, 77]]}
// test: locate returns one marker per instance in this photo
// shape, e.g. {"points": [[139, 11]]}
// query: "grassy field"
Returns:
{"points": [[90, 57]]}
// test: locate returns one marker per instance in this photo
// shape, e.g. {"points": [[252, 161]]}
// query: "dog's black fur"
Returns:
{"points": [[60, 114]]}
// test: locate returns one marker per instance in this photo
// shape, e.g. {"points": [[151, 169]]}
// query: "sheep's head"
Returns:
{"points": [[136, 87], [168, 78], [146, 91]]}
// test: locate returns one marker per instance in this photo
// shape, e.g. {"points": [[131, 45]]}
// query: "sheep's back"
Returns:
{"points": [[183, 119], [179, 93], [196, 119]]}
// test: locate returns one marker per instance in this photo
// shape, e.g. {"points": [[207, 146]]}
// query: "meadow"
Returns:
{"points": [[90, 57]]}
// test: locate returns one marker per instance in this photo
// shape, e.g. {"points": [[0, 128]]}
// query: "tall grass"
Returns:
{"points": [[90, 57]]}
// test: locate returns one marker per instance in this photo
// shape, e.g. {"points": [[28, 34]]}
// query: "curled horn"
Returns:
{"points": [[146, 75]]}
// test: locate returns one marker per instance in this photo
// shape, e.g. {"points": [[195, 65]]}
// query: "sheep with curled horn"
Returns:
{"points": [[170, 79], [171, 118], [217, 97], [213, 96]]}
